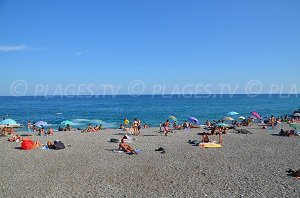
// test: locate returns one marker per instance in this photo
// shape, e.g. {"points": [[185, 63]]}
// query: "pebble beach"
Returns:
{"points": [[247, 165]]}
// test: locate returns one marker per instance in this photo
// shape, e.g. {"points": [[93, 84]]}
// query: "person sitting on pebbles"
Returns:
{"points": [[125, 147], [205, 138]]}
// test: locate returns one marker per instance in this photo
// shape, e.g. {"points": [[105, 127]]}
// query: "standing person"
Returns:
{"points": [[139, 126], [29, 126], [135, 126], [126, 122], [220, 136], [166, 127], [273, 121]]}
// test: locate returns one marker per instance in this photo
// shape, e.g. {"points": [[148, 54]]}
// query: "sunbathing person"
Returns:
{"points": [[205, 138], [68, 128], [125, 147], [294, 173], [175, 126], [90, 128], [186, 125], [15, 138]]}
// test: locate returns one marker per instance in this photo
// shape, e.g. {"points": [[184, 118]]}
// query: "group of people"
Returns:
{"points": [[90, 128], [42, 131], [7, 130], [134, 128]]}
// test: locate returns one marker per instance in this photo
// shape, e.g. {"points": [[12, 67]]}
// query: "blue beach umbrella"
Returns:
{"points": [[233, 113], [67, 122], [194, 120], [8, 122], [41, 124]]}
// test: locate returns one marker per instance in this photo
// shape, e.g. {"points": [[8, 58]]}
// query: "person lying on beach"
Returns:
{"points": [[125, 147], [146, 126], [287, 133], [56, 145], [205, 138], [15, 138], [176, 127], [294, 173]]}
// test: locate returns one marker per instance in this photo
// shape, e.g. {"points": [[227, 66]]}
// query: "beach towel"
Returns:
{"points": [[210, 145]]}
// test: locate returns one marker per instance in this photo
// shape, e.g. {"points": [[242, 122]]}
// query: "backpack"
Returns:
{"points": [[58, 145]]}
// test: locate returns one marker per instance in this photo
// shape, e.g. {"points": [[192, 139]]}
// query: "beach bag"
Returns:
{"points": [[58, 145], [27, 145]]}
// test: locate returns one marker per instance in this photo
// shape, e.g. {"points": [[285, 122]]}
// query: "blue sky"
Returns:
{"points": [[159, 42]]}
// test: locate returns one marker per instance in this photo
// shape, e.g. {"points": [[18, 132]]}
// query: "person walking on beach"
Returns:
{"points": [[166, 127]]}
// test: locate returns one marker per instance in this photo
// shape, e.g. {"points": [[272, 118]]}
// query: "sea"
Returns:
{"points": [[110, 111]]}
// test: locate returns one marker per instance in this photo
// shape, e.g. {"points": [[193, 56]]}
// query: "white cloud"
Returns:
{"points": [[11, 48], [81, 52]]}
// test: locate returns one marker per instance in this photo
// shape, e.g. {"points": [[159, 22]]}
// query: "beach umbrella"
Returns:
{"points": [[8, 122], [255, 114], [242, 118], [220, 124], [233, 113], [194, 120], [67, 122], [296, 115], [228, 119], [173, 118], [41, 124]]}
